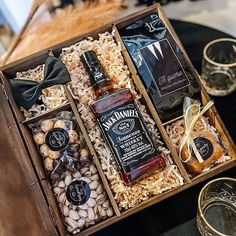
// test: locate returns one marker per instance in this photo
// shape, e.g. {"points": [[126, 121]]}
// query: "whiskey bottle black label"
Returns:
{"points": [[127, 134]]}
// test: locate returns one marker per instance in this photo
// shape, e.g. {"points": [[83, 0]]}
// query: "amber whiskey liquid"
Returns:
{"points": [[122, 126]]}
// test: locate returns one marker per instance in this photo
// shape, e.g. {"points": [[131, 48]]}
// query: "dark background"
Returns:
{"points": [[176, 215]]}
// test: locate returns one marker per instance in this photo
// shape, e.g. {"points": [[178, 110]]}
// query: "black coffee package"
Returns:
{"points": [[161, 65]]}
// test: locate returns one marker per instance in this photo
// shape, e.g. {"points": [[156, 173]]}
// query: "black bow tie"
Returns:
{"points": [[26, 92]]}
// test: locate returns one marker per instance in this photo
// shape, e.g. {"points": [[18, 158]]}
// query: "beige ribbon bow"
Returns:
{"points": [[192, 114]]}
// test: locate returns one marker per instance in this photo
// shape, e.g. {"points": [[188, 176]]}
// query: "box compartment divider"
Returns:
{"points": [[46, 193], [150, 106], [93, 152]]}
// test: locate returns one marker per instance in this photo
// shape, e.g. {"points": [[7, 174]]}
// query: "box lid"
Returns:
{"points": [[24, 210]]}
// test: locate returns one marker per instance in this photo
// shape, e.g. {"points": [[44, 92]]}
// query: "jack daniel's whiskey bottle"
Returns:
{"points": [[122, 125]]}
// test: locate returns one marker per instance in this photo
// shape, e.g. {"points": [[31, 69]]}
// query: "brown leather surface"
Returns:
{"points": [[23, 210]]}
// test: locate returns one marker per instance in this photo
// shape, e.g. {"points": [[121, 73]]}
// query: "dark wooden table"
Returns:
{"points": [[175, 216]]}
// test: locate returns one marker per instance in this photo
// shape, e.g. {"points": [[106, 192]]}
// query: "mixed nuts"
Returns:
{"points": [[82, 198], [74, 178]]}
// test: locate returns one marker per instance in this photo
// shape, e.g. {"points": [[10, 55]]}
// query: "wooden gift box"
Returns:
{"points": [[27, 204]]}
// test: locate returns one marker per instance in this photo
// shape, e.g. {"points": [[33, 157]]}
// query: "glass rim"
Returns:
{"points": [[199, 199], [213, 42]]}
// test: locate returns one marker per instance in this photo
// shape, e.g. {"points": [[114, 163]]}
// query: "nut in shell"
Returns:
{"points": [[91, 202], [93, 169], [105, 204], [53, 154], [87, 222], [83, 170], [91, 214], [71, 223], [83, 207], [99, 189], [65, 211], [102, 212], [84, 152], [95, 177], [68, 179], [81, 223], [62, 198], [39, 138], [47, 125], [83, 214], [73, 136], [70, 229], [100, 199], [67, 203], [87, 180], [57, 190], [61, 184], [73, 215], [44, 150], [109, 212], [84, 156], [60, 124], [93, 194], [77, 175], [48, 163], [95, 209], [99, 209], [88, 174], [93, 185], [96, 217]]}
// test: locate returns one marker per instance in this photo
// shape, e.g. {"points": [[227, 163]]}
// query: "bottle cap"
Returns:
{"points": [[89, 58], [94, 68]]}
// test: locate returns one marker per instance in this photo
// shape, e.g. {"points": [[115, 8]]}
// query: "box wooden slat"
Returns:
{"points": [[24, 210], [93, 152], [42, 196], [150, 106]]}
